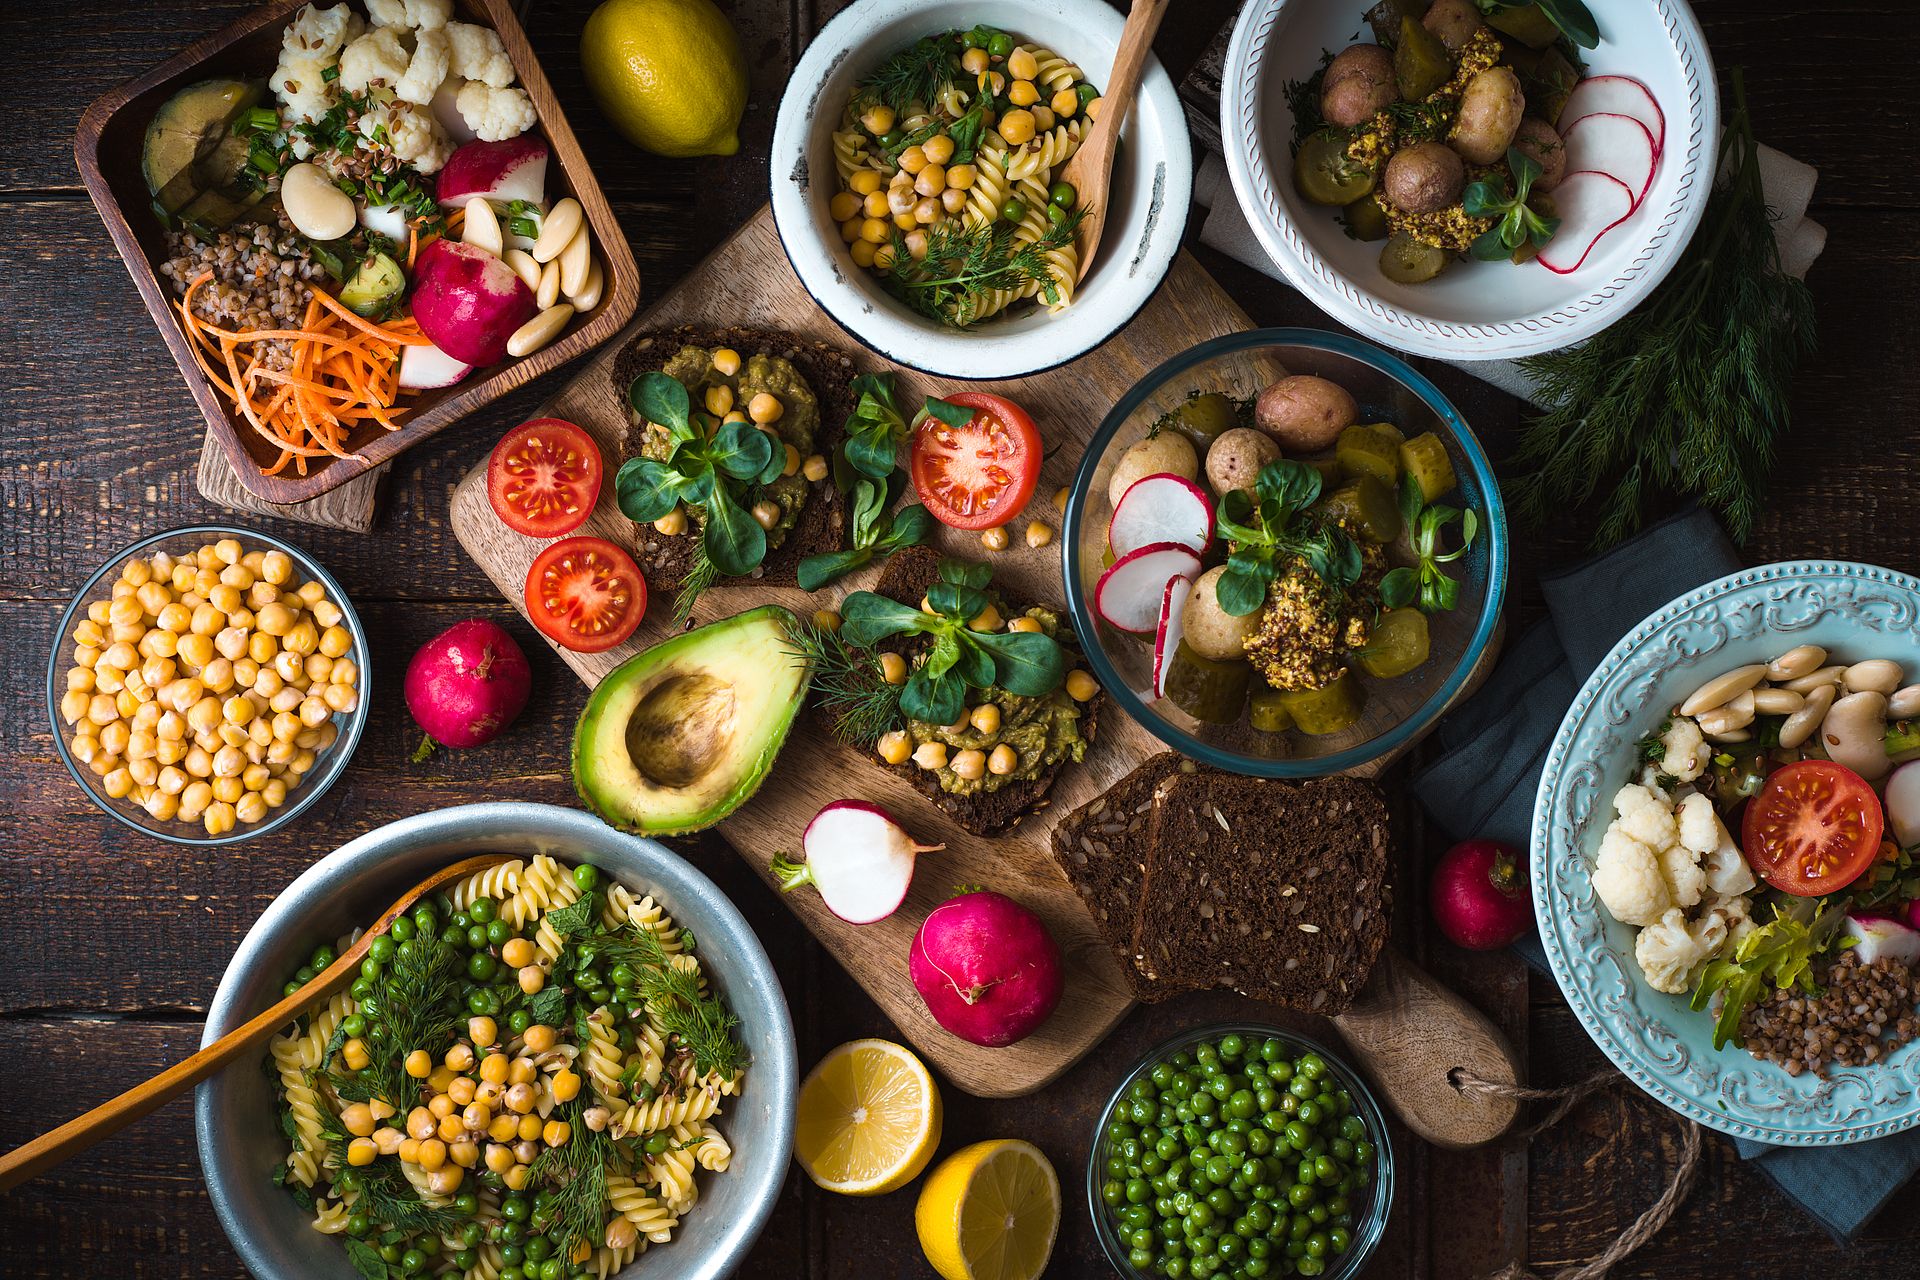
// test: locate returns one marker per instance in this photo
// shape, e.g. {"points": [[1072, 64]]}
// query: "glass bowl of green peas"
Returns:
{"points": [[1240, 1151]]}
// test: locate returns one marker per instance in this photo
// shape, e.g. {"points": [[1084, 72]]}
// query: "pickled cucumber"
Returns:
{"points": [[1365, 450], [1365, 508], [1366, 218], [1396, 645], [1421, 63], [1405, 260], [1328, 709], [1267, 711], [1211, 692], [1529, 24], [1425, 459], [1325, 174], [1204, 419]]}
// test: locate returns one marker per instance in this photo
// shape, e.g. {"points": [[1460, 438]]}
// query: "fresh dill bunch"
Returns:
{"points": [[577, 1172], [420, 1005], [915, 74], [965, 268], [701, 574], [702, 1023], [1421, 121], [388, 1199], [1688, 395], [1303, 101], [859, 703]]}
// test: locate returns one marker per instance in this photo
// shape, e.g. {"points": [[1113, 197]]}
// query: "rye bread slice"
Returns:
{"points": [[1101, 848], [906, 578], [822, 525], [1275, 889]]}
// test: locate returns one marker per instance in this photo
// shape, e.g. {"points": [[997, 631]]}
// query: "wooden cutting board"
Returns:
{"points": [[748, 281]]}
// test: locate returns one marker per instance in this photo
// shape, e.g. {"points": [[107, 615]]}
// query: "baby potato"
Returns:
{"points": [[1425, 178], [1235, 459], [1304, 413], [1358, 85], [1211, 631], [1454, 21], [1490, 111], [1541, 142], [1167, 452]]}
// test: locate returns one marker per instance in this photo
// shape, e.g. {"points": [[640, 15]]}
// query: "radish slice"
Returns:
{"points": [[1161, 508], [1173, 608], [1618, 146], [1903, 803], [1615, 95], [1130, 593], [1590, 204], [423, 368], [858, 857]]}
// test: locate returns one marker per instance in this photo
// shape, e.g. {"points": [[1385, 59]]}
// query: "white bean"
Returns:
{"points": [[523, 266], [1796, 662], [1732, 736], [539, 331], [1800, 725], [1736, 713], [590, 290], [575, 261], [1814, 679], [318, 209], [1722, 688], [1875, 675], [557, 229], [1905, 704], [548, 291], [1777, 702], [482, 227]]}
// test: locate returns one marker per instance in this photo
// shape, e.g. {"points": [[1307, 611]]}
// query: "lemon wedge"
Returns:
{"points": [[990, 1212], [868, 1119]]}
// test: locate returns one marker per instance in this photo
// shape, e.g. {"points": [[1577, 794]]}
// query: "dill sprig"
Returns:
{"points": [[577, 1173], [700, 575], [702, 1023], [1303, 101], [965, 269], [388, 1199], [422, 1010], [860, 704], [1689, 394], [915, 74]]}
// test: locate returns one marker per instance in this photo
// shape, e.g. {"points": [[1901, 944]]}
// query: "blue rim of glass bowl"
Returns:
{"points": [[1493, 520], [330, 766], [1367, 1233]]}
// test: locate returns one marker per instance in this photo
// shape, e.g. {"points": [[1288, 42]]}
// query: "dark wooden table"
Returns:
{"points": [[112, 944]]}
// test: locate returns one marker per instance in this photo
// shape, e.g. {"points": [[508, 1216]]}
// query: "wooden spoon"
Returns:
{"points": [[1410, 1034], [33, 1158], [1090, 171]]}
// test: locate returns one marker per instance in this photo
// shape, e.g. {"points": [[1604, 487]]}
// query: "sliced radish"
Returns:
{"points": [[1590, 204], [1173, 609], [1618, 146], [1903, 803], [1615, 95], [424, 368], [1161, 508], [1130, 593], [858, 857]]}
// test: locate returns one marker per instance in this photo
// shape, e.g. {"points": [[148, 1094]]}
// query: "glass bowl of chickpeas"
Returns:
{"points": [[207, 684]]}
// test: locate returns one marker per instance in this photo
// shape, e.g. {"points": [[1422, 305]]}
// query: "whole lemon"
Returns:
{"points": [[669, 74]]}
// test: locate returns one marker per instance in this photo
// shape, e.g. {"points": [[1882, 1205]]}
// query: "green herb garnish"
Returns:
{"points": [[1303, 101], [966, 271], [1427, 584], [1515, 223], [422, 1009], [1774, 956], [1029, 664], [1271, 527], [702, 1023], [876, 532], [387, 1198], [874, 431], [576, 1171], [915, 74], [860, 705]]}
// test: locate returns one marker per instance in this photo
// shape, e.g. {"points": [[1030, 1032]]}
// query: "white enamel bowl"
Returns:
{"points": [[1474, 310]]}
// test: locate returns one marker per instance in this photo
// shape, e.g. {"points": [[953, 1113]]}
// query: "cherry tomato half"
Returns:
{"points": [[586, 594], [544, 477], [978, 476], [1812, 829]]}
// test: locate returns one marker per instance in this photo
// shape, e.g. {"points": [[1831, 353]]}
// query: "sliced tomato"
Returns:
{"points": [[980, 475], [544, 477], [585, 594], [1813, 828]]}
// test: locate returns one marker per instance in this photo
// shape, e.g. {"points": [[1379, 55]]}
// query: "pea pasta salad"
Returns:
{"points": [[946, 156], [523, 1081]]}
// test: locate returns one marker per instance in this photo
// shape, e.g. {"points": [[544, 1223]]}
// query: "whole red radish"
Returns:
{"points": [[987, 968], [467, 684], [1480, 899]]}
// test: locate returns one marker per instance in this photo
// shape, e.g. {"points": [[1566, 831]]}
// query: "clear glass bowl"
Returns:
{"points": [[327, 766], [1367, 1227], [1387, 390]]}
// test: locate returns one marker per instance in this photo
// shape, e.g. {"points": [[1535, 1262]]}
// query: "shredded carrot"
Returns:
{"points": [[343, 374], [413, 244]]}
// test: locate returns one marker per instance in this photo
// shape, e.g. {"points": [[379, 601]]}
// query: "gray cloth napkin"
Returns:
{"points": [[1495, 745]]}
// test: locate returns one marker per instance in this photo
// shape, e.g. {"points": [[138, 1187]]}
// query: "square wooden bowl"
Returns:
{"points": [[107, 149]]}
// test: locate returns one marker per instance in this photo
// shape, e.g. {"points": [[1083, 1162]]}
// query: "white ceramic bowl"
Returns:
{"points": [[1475, 310], [1153, 186]]}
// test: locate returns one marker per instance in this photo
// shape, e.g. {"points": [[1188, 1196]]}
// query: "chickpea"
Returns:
{"points": [[931, 755], [974, 61], [459, 1057], [520, 1098], [195, 649], [1022, 93], [499, 1158], [792, 464], [969, 764], [913, 160], [765, 408], [726, 362], [1003, 761], [1065, 104], [932, 180], [1022, 65], [117, 783], [843, 205], [115, 737], [343, 699], [767, 513], [250, 807], [986, 718], [895, 747], [539, 1038], [994, 539], [1039, 533], [893, 668], [326, 612], [217, 675], [925, 213], [718, 401], [335, 641], [988, 619], [303, 639], [556, 1133], [866, 180], [621, 1234], [953, 199], [850, 228], [565, 1085], [1080, 685], [1017, 126], [504, 1128], [878, 119], [461, 1089], [228, 790], [1043, 117]]}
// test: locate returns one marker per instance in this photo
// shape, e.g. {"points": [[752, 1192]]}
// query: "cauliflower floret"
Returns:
{"points": [[494, 114], [426, 70], [1699, 829], [417, 139], [422, 15], [1726, 869], [479, 55], [1628, 879], [1669, 948], [321, 33], [300, 83], [1738, 913], [1686, 881], [382, 54], [1645, 818], [1687, 753]]}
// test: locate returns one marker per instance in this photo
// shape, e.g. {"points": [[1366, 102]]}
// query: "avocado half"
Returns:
{"points": [[678, 737]]}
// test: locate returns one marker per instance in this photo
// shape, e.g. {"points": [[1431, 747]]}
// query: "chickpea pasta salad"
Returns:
{"points": [[946, 156], [522, 1083]]}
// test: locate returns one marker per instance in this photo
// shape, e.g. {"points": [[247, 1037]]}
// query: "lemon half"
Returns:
{"points": [[868, 1118], [990, 1212]]}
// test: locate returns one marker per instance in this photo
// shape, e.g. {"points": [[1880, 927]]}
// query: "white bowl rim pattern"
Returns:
{"points": [[1583, 313], [1143, 241]]}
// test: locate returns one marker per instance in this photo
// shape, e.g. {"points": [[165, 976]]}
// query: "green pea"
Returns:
{"points": [[518, 1021], [498, 933], [1339, 1239], [539, 1249], [426, 920], [413, 1260], [1113, 1191], [481, 967], [1000, 44], [392, 1253], [1085, 92], [290, 986], [1013, 210], [1311, 1112], [401, 929], [482, 911], [513, 1255]]}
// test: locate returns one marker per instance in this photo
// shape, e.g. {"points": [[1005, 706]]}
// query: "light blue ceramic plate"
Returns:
{"points": [[1855, 611]]}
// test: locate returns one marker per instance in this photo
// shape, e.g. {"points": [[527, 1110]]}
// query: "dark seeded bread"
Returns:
{"points": [[1101, 847], [823, 520], [1275, 889], [906, 578]]}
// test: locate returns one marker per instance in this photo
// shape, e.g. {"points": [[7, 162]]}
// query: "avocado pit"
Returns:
{"points": [[682, 728]]}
